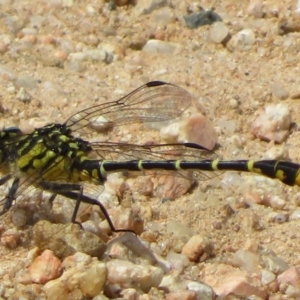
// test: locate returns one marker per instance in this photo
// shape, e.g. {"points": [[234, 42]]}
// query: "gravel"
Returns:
{"points": [[235, 235]]}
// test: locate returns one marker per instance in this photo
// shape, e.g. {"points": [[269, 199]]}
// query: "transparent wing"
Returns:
{"points": [[153, 102]]}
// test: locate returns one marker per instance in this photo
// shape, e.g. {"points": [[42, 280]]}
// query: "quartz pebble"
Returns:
{"points": [[125, 273], [178, 261], [196, 129], [219, 32], [267, 277], [202, 290], [273, 123], [243, 40], [73, 55], [83, 279], [247, 260], [161, 47], [23, 95]]}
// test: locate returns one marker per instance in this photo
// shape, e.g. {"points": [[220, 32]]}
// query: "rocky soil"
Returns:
{"points": [[227, 235]]}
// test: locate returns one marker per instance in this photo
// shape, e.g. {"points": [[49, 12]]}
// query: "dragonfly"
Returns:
{"points": [[54, 159]]}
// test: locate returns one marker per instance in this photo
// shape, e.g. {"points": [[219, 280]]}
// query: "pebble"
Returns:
{"points": [[274, 263], [65, 240], [267, 277], [182, 295], [178, 229], [273, 123], [243, 40], [247, 260], [203, 291], [172, 282], [172, 187], [129, 294], [219, 32], [201, 18], [125, 218], [198, 248], [280, 218], [289, 26], [275, 202], [79, 281], [255, 8], [178, 261], [227, 280], [125, 273], [295, 215], [91, 279], [10, 238], [23, 95], [19, 217], [45, 267], [290, 276], [279, 91], [278, 152], [196, 129], [55, 29], [161, 47]]}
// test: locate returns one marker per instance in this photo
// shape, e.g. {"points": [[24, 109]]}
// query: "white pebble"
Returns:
{"points": [[204, 292], [23, 95], [11, 89], [273, 123], [267, 277], [162, 47], [178, 261], [126, 274], [219, 32], [243, 40]]}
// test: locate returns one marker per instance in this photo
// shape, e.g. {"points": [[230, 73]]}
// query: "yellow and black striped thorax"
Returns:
{"points": [[7, 137], [50, 150]]}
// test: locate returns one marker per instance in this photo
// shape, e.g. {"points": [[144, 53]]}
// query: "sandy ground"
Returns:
{"points": [[232, 84]]}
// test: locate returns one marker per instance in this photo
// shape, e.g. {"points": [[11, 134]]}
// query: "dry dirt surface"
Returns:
{"points": [[232, 236]]}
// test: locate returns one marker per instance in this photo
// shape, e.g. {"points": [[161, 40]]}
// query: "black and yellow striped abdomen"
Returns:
{"points": [[287, 172]]}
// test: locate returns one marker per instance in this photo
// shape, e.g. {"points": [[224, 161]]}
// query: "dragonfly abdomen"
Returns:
{"points": [[287, 172]]}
